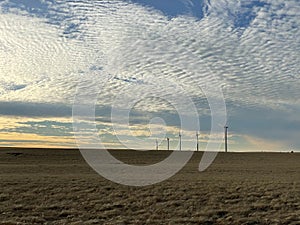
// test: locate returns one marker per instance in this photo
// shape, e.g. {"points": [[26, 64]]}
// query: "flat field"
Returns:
{"points": [[44, 186]]}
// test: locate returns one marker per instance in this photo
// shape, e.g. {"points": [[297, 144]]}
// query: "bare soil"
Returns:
{"points": [[58, 187]]}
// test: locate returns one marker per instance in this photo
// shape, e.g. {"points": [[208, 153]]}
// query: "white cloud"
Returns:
{"points": [[259, 67]]}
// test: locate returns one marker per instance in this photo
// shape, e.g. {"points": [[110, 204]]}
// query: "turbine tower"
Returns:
{"points": [[179, 141], [168, 143], [226, 134], [156, 142], [197, 136]]}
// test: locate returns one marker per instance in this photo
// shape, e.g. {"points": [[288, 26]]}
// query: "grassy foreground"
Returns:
{"points": [[58, 187]]}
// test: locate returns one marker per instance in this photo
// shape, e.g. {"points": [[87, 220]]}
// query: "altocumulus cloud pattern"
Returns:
{"points": [[252, 47]]}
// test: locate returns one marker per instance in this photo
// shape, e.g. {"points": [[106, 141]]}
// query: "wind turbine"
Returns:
{"points": [[226, 134], [197, 136], [179, 141], [156, 142], [168, 143]]}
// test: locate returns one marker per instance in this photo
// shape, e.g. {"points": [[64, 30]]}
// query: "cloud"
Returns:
{"points": [[259, 144], [147, 47], [25, 109], [156, 54], [35, 140]]}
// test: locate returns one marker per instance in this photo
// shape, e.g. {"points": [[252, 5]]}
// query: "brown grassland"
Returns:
{"points": [[58, 187]]}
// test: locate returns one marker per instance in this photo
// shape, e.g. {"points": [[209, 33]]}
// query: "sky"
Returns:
{"points": [[146, 65]]}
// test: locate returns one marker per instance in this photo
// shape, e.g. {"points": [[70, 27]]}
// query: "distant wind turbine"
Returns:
{"points": [[168, 143], [226, 134], [179, 141], [197, 136]]}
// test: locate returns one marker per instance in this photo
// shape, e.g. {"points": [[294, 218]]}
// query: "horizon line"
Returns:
{"points": [[2, 148]]}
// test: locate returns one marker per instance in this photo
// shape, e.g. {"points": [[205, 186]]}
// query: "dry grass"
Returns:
{"points": [[57, 187]]}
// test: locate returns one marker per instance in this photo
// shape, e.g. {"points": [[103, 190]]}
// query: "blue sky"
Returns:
{"points": [[155, 52]]}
